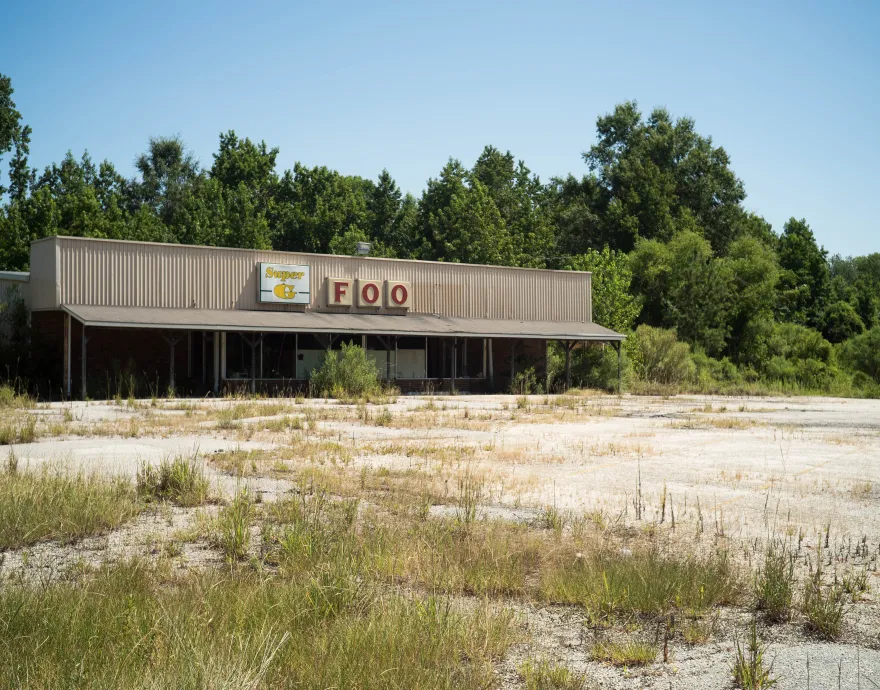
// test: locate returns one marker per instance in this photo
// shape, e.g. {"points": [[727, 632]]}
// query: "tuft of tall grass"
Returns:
{"points": [[628, 653], [822, 606], [181, 481], [646, 581], [750, 671], [233, 533], [774, 583], [18, 430], [542, 674], [470, 493], [129, 625], [44, 505]]}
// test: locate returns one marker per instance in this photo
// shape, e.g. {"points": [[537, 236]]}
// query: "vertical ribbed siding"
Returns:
{"points": [[111, 273]]}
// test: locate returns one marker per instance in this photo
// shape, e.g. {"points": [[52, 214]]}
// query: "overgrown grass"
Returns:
{"points": [[233, 532], [181, 480], [774, 584], [823, 606], [647, 581], [629, 653], [750, 670], [135, 627], [544, 675], [35, 506], [18, 430]]}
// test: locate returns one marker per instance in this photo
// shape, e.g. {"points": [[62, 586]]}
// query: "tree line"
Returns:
{"points": [[657, 215]]}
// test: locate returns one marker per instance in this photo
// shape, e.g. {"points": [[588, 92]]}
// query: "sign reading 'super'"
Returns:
{"points": [[284, 284]]}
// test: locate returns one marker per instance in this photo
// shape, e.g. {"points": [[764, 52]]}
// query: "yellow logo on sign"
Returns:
{"points": [[283, 291]]}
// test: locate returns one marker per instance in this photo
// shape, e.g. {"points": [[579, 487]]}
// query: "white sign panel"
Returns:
{"points": [[282, 284]]}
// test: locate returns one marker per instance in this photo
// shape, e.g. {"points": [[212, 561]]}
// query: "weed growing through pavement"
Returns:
{"points": [[181, 481], [774, 583], [628, 653], [750, 670], [542, 674]]}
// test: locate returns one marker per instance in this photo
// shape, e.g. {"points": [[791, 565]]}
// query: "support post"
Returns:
{"points": [[396, 358], [454, 361], [569, 346], [464, 349], [85, 340], [189, 354], [204, 354], [484, 358], [253, 342], [491, 367], [618, 368], [215, 339], [223, 356], [172, 340], [512, 362], [296, 355], [67, 363]]}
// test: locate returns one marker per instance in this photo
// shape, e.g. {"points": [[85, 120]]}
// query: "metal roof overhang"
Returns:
{"points": [[324, 322]]}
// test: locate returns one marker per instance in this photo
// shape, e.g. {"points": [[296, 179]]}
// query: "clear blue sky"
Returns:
{"points": [[791, 91]]}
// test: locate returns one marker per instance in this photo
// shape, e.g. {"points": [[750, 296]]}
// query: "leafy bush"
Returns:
{"points": [[841, 322], [659, 357], [862, 353], [800, 355], [347, 373], [710, 371], [525, 383]]}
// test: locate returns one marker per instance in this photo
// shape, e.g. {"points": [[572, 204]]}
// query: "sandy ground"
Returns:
{"points": [[738, 469]]}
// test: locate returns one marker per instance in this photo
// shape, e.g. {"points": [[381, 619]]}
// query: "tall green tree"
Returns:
{"points": [[613, 304], [804, 283], [650, 172]]}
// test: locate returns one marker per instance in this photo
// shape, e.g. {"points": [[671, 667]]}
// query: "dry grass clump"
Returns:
{"points": [[823, 606], [233, 527], [628, 653], [774, 584], [541, 674], [181, 481], [10, 398], [16, 430], [130, 625], [46, 505], [750, 670], [610, 581]]}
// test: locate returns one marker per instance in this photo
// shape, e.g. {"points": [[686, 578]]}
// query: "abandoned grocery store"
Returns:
{"points": [[115, 317]]}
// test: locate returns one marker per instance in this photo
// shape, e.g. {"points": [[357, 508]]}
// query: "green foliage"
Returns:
{"points": [[181, 480], [774, 584], [345, 374], [47, 505], [841, 322], [750, 670], [862, 353], [659, 357], [804, 283], [613, 305], [658, 218], [545, 675]]}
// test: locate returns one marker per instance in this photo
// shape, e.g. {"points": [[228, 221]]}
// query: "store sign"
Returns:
{"points": [[282, 284], [391, 294]]}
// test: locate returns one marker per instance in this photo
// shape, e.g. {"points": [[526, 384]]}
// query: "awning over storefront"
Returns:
{"points": [[322, 322]]}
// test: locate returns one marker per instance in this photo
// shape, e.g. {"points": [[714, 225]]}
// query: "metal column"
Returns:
{"points": [[68, 337], [216, 341], [85, 340]]}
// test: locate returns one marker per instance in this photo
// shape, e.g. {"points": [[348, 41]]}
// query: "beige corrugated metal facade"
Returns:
{"points": [[192, 318], [140, 274]]}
